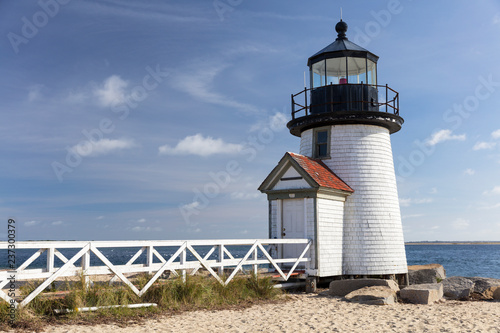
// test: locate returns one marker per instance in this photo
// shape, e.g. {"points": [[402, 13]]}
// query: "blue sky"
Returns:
{"points": [[159, 119]]}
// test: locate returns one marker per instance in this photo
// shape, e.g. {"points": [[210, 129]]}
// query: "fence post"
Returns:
{"points": [[255, 266], [183, 262], [149, 256], [85, 263], [221, 259], [50, 259]]}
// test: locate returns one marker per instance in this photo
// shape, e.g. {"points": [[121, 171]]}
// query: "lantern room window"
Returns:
{"points": [[342, 70]]}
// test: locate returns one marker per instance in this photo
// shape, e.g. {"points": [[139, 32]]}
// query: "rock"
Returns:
{"points": [[344, 287], [432, 273], [496, 294], [422, 293], [375, 295], [457, 287], [485, 286]]}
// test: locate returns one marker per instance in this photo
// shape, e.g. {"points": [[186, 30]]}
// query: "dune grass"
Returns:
{"points": [[171, 296]]}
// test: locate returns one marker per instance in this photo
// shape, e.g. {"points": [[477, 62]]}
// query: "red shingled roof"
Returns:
{"points": [[320, 173]]}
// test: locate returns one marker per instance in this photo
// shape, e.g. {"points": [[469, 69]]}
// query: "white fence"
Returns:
{"points": [[178, 261]]}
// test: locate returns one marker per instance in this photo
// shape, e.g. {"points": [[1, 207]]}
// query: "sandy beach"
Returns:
{"points": [[321, 313]]}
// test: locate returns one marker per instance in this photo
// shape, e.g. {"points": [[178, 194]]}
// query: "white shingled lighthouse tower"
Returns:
{"points": [[340, 191]]}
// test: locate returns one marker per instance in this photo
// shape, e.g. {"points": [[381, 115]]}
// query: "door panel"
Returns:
{"points": [[293, 226]]}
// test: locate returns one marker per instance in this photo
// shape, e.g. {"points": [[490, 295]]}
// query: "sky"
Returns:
{"points": [[124, 120]]}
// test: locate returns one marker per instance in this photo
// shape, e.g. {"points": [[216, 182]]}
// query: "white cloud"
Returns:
{"points": [[484, 145], [433, 190], [496, 134], [490, 207], [469, 172], [31, 223], [100, 217], [201, 146], [495, 190], [246, 196], [112, 91], [190, 206], [411, 216], [406, 202], [496, 18], [57, 223], [141, 220], [444, 135], [35, 92], [460, 224], [276, 122], [102, 147]]}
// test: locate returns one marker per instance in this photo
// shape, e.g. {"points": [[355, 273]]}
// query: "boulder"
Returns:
{"points": [[496, 294], [485, 286], [420, 274], [344, 287], [457, 287], [422, 293], [375, 295]]}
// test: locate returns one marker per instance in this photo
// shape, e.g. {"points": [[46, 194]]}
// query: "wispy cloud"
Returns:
{"points": [[57, 223], [496, 18], [484, 145], [141, 220], [469, 172], [200, 85], [102, 146], [444, 135], [496, 134], [276, 122], [245, 195], [460, 224], [31, 223], [201, 146], [411, 216], [406, 202], [495, 190], [112, 91], [35, 92]]}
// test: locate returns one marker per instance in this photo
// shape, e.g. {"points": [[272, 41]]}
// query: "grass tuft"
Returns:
{"points": [[171, 296]]}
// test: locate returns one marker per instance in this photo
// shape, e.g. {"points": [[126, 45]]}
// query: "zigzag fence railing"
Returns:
{"points": [[183, 256]]}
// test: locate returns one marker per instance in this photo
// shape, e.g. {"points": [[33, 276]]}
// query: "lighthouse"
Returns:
{"points": [[340, 189]]}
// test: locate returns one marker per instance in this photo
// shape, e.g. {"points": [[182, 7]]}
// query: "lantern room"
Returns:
{"points": [[342, 62]]}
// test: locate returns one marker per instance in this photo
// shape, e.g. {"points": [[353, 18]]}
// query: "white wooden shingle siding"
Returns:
{"points": [[286, 183], [361, 155], [330, 234]]}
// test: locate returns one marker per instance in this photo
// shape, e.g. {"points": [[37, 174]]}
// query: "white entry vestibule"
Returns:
{"points": [[306, 200]]}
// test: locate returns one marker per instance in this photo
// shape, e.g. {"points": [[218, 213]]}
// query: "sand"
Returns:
{"points": [[321, 313]]}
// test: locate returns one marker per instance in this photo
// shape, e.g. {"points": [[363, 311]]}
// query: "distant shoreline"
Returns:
{"points": [[452, 243]]}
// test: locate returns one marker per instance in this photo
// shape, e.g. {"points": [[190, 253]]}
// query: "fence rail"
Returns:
{"points": [[258, 254]]}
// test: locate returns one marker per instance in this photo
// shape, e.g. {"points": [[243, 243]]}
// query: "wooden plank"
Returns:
{"points": [[162, 269], [54, 276], [114, 269]]}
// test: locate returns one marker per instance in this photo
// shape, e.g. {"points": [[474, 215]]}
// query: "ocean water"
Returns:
{"points": [[458, 260]]}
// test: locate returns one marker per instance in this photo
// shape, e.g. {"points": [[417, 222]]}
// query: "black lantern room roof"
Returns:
{"points": [[342, 47]]}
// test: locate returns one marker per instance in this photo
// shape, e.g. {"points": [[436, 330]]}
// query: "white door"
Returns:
{"points": [[293, 226]]}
